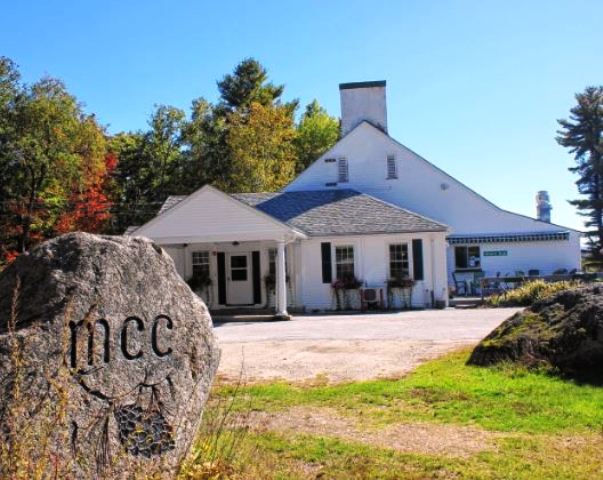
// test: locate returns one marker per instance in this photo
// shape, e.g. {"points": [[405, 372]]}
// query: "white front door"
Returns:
{"points": [[239, 279]]}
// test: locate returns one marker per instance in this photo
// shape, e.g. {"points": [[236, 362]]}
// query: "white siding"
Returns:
{"points": [[422, 188], [543, 256], [371, 264], [418, 186], [210, 215], [177, 254]]}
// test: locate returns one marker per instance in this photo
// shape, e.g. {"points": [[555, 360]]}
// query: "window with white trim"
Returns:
{"points": [[200, 264], [342, 168], [399, 265], [392, 170], [344, 261], [467, 257]]}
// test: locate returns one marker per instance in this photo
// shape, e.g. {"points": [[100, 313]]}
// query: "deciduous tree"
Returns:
{"points": [[261, 144], [317, 131]]}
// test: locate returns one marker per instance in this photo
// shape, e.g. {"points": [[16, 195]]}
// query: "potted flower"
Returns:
{"points": [[270, 284], [342, 286], [401, 285], [200, 283]]}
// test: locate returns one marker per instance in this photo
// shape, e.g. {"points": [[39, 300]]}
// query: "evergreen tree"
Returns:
{"points": [[583, 135], [248, 83], [214, 132]]}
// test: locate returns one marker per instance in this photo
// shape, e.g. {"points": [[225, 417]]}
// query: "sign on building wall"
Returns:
{"points": [[495, 253]]}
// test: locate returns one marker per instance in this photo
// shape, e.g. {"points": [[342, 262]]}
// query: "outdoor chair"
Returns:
{"points": [[459, 285], [475, 284], [533, 273]]}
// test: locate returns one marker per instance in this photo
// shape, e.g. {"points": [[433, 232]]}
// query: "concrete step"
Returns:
{"points": [[244, 318], [465, 302]]}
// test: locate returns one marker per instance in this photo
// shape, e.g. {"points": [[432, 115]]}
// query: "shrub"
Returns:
{"points": [[529, 292]]}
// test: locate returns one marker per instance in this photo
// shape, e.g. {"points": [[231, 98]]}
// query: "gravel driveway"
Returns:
{"points": [[349, 347]]}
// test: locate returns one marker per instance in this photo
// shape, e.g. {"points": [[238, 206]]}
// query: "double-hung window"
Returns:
{"points": [[344, 261], [467, 257], [399, 266], [200, 264]]}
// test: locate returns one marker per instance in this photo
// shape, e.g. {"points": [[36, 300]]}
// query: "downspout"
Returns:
{"points": [[432, 248]]}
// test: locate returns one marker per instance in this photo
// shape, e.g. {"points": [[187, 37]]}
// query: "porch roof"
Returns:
{"points": [[331, 212], [339, 212], [210, 215]]}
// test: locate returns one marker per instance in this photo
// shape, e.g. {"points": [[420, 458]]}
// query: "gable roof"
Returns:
{"points": [[170, 202], [339, 212], [332, 212], [213, 215], [366, 123]]}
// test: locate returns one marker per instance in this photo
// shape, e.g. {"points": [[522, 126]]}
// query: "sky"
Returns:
{"points": [[475, 87]]}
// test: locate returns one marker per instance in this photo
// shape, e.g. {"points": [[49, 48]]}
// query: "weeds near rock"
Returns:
{"points": [[30, 426], [530, 292], [220, 443]]}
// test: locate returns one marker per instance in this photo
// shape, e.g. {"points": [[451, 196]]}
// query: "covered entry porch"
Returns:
{"points": [[232, 254], [240, 276]]}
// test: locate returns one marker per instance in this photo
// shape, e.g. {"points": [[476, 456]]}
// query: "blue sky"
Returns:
{"points": [[473, 86]]}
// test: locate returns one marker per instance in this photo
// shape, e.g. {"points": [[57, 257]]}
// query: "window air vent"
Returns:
{"points": [[392, 171], [343, 170]]}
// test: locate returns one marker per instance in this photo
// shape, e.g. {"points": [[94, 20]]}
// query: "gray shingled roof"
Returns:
{"points": [[170, 202], [338, 212], [332, 212]]}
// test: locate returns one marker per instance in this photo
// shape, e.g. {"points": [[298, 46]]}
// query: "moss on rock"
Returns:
{"points": [[564, 331]]}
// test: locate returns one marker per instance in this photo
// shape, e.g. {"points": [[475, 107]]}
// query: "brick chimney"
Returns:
{"points": [[362, 101]]}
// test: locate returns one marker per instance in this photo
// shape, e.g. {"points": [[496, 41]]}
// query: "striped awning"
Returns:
{"points": [[508, 238]]}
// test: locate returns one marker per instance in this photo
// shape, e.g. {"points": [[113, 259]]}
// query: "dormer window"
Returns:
{"points": [[342, 167], [392, 171]]}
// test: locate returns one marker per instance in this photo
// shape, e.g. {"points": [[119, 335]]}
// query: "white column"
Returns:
{"points": [[281, 281]]}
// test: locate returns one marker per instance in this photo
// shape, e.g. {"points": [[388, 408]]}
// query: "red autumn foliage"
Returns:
{"points": [[10, 256], [90, 209]]}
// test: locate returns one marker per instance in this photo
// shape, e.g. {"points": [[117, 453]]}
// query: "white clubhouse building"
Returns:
{"points": [[369, 207]]}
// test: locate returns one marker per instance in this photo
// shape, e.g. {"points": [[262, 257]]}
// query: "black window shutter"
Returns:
{"points": [[327, 273], [221, 278], [257, 282], [417, 259]]}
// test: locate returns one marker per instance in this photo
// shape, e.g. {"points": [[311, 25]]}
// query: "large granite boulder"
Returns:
{"points": [[564, 331], [106, 358]]}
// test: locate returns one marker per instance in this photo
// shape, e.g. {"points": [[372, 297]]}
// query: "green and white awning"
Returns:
{"points": [[508, 238]]}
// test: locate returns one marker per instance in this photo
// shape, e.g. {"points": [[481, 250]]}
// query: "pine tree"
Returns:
{"points": [[248, 83], [583, 135]]}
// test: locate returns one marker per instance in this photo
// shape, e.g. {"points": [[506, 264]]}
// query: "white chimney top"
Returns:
{"points": [[363, 101]]}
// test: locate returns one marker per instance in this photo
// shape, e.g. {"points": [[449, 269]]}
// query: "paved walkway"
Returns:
{"points": [[349, 347]]}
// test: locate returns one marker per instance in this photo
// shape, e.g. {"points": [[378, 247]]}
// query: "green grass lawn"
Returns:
{"points": [[543, 427]]}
